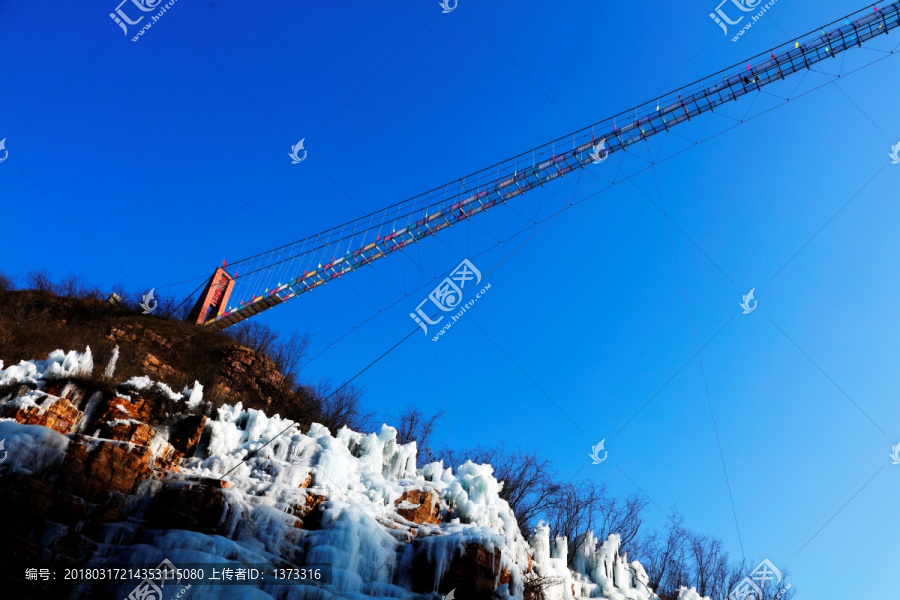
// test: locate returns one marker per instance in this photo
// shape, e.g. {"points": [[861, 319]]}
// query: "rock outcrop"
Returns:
{"points": [[133, 474]]}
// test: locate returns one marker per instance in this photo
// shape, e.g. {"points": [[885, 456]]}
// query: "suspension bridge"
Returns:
{"points": [[275, 276]]}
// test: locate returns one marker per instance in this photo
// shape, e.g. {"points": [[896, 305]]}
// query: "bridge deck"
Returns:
{"points": [[595, 143]]}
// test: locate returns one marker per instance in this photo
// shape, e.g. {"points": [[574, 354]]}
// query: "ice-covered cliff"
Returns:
{"points": [[141, 473]]}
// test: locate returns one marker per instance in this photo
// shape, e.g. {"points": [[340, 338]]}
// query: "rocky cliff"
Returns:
{"points": [[97, 475]]}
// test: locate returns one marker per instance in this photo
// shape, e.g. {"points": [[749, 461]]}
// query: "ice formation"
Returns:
{"points": [[111, 365], [363, 484], [58, 365]]}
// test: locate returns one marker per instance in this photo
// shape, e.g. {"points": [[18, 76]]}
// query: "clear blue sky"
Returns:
{"points": [[170, 154]]}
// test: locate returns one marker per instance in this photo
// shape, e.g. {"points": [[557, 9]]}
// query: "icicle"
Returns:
{"points": [[111, 365]]}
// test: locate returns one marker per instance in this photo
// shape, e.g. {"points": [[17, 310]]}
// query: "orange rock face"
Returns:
{"points": [[128, 431], [60, 416], [306, 513], [121, 408], [94, 468], [427, 508]]}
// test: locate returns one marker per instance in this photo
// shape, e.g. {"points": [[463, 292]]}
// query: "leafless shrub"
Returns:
{"points": [[6, 283], [39, 281], [71, 286], [256, 336], [681, 558], [536, 587], [288, 352], [336, 408]]}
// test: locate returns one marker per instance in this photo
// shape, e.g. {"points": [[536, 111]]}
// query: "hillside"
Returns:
{"points": [[34, 323], [150, 443]]}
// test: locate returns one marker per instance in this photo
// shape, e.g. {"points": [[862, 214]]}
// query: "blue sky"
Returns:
{"points": [[146, 163]]}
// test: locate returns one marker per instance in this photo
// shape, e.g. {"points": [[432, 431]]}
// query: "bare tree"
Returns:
{"points": [[6, 283], [288, 352], [620, 516], [572, 512], [39, 281], [256, 336], [710, 564], [415, 426], [577, 508], [289, 355], [336, 408], [662, 556], [536, 587]]}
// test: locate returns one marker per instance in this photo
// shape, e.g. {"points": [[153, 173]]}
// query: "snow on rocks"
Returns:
{"points": [[58, 365], [690, 594], [144, 384], [31, 448], [368, 481], [254, 488]]}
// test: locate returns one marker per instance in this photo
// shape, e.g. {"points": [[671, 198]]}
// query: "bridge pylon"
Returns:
{"points": [[214, 298]]}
